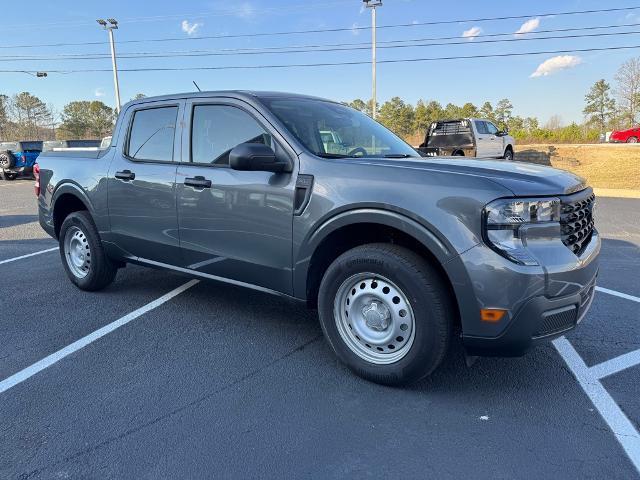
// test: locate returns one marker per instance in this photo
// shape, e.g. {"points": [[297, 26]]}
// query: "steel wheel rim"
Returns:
{"points": [[374, 318], [77, 252]]}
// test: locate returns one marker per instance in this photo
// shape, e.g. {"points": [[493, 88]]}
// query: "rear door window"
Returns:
{"points": [[152, 134]]}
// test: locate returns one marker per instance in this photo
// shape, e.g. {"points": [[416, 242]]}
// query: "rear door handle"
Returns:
{"points": [[125, 175], [197, 182]]}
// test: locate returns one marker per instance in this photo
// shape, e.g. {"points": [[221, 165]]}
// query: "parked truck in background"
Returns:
{"points": [[18, 158], [399, 253], [468, 137]]}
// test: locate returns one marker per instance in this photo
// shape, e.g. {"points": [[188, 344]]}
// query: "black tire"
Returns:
{"points": [[508, 155], [632, 140], [7, 160], [10, 176], [427, 295], [101, 269], [458, 153]]}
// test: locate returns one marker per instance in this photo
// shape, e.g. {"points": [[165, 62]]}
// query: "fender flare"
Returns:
{"points": [[72, 189], [427, 235]]}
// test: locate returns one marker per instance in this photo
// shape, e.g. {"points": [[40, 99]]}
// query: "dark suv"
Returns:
{"points": [[396, 251]]}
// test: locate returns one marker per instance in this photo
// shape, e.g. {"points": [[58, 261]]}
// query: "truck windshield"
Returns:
{"points": [[332, 130], [31, 146]]}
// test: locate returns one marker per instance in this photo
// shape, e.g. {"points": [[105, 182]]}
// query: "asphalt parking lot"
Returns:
{"points": [[222, 382]]}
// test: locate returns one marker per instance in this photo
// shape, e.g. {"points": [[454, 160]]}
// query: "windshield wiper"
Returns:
{"points": [[334, 155], [398, 155]]}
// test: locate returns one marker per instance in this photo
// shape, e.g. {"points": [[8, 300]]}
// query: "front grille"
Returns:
{"points": [[557, 321], [576, 220]]}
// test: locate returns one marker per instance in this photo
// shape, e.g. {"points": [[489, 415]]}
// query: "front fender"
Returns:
{"points": [[427, 235]]}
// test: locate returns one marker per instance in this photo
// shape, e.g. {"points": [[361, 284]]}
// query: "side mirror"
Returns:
{"points": [[255, 157]]}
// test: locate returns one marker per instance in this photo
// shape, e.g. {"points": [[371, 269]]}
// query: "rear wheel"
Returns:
{"points": [[83, 255], [632, 140], [386, 313]]}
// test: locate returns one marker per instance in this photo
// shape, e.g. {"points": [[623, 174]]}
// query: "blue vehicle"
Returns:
{"points": [[18, 158]]}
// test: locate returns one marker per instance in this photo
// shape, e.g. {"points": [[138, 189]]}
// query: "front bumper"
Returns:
{"points": [[542, 302]]}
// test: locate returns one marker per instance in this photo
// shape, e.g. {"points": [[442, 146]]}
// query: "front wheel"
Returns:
{"points": [[10, 176], [83, 255], [386, 313], [508, 155]]}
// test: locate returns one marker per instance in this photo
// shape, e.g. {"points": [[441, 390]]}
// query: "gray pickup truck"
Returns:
{"points": [[399, 253]]}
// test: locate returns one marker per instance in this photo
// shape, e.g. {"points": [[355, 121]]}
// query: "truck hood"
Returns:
{"points": [[523, 179]]}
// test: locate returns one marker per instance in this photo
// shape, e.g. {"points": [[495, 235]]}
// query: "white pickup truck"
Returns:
{"points": [[468, 137]]}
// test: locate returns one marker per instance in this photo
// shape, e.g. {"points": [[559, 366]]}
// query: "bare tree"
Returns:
{"points": [[554, 122], [4, 117], [628, 88]]}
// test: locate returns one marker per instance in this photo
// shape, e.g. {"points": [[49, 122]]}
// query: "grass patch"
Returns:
{"points": [[602, 165]]}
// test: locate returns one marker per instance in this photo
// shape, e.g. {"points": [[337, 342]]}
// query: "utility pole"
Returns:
{"points": [[110, 27], [373, 4]]}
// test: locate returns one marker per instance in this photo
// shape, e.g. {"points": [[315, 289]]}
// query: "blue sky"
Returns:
{"points": [[561, 91]]}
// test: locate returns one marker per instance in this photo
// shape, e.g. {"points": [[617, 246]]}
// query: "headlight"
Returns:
{"points": [[504, 218]]}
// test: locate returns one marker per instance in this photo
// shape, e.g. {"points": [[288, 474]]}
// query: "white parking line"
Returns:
{"points": [[616, 365], [618, 294], [620, 425], [46, 362], [9, 260]]}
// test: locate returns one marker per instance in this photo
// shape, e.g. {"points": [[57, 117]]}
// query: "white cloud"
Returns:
{"points": [[246, 10], [528, 26], [472, 33], [355, 29], [99, 92], [555, 64], [190, 28]]}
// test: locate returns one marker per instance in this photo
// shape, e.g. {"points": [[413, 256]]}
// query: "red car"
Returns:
{"points": [[625, 136]]}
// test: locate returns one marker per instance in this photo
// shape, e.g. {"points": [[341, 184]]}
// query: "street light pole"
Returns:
{"points": [[110, 27], [372, 4]]}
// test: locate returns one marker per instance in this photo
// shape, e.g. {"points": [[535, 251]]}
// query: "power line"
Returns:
{"points": [[194, 54], [332, 64], [344, 44], [335, 30]]}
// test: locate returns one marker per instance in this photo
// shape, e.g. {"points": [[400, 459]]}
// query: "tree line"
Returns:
{"points": [[24, 116], [602, 112]]}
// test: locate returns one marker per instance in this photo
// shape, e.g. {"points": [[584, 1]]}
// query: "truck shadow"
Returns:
{"points": [[15, 220]]}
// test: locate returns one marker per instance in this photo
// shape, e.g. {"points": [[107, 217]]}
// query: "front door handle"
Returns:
{"points": [[197, 182], [125, 175]]}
